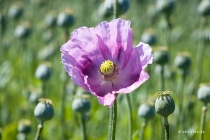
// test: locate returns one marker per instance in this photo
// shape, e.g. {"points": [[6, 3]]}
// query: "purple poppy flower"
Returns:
{"points": [[103, 61]]}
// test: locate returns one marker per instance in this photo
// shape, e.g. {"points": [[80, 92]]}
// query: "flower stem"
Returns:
{"points": [[115, 10], [204, 108], [166, 128], [143, 126], [113, 120], [39, 131], [162, 82], [83, 126], [130, 116]]}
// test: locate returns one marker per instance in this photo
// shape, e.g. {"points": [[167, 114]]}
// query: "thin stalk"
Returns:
{"points": [[83, 127], [143, 126], [162, 87], [204, 109], [181, 101], [63, 108], [130, 116], [113, 120], [166, 128], [44, 89], [39, 131], [66, 35], [162, 80], [115, 10]]}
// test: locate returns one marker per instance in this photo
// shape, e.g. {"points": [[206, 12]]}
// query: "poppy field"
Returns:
{"points": [[104, 69]]}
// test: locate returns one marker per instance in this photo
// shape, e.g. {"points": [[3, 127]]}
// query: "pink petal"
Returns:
{"points": [[145, 52], [107, 100], [142, 78], [117, 38], [130, 74]]}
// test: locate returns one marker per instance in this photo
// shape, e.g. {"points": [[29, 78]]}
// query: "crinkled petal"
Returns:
{"points": [[107, 100], [117, 37], [146, 54]]}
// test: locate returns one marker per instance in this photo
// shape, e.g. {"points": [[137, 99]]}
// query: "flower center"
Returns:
{"points": [[107, 67]]}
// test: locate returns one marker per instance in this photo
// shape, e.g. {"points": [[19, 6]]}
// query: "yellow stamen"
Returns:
{"points": [[107, 67]]}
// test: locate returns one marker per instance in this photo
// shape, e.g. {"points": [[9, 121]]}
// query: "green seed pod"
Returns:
{"points": [[149, 37], [122, 7], [16, 10], [160, 55], [164, 104], [43, 72], [204, 93], [24, 126], [50, 20], [23, 30], [146, 111], [182, 62], [44, 110], [204, 8], [65, 18], [81, 104], [165, 6]]}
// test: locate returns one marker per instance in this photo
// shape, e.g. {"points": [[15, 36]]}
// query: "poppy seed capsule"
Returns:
{"points": [[204, 8], [122, 7], [182, 61], [149, 37], [23, 30], [24, 126], [204, 93], [161, 55], [44, 110], [81, 105], [16, 10], [50, 20], [165, 6], [146, 111], [164, 104], [65, 18], [43, 72]]}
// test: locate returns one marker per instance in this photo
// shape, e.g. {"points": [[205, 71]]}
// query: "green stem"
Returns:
{"points": [[130, 116], [166, 128], [162, 82], [63, 108], [113, 120], [115, 10], [143, 126], [39, 131], [83, 126], [66, 35], [204, 109]]}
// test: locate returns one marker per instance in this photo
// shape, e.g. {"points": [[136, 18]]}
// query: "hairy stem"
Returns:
{"points": [[113, 120], [166, 128]]}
